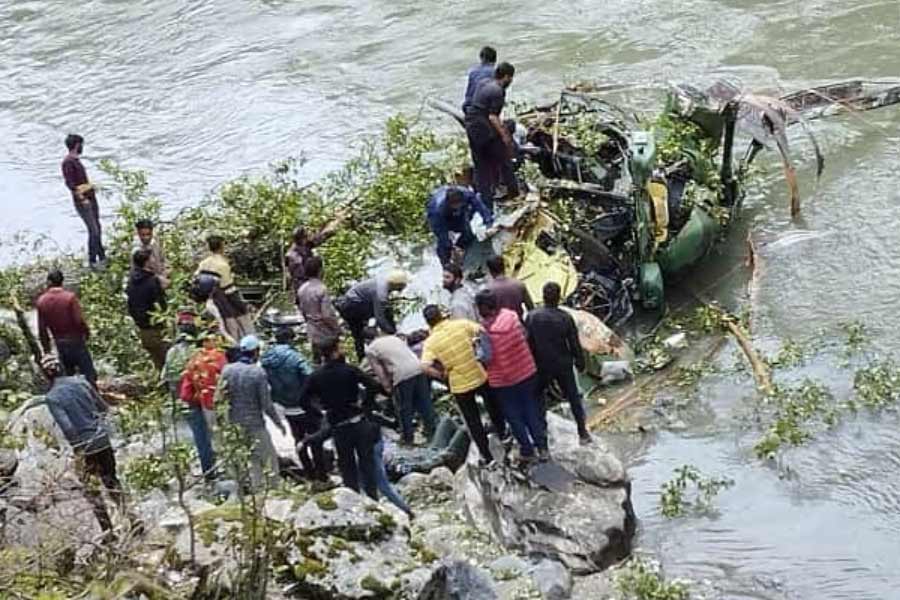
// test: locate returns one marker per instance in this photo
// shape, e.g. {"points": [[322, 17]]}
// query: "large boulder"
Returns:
{"points": [[576, 509], [458, 580]]}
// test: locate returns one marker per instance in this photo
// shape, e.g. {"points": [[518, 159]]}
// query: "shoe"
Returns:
{"points": [[543, 454], [527, 461], [585, 439]]}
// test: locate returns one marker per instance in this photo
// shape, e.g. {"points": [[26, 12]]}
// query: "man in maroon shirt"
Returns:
{"points": [[84, 197], [510, 292], [59, 313]]}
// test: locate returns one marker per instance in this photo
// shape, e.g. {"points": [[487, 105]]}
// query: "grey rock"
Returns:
{"points": [[552, 579], [458, 580], [9, 462], [586, 527], [592, 587], [507, 566]]}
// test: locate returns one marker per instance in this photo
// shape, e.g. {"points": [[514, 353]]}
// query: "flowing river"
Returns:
{"points": [[199, 92]]}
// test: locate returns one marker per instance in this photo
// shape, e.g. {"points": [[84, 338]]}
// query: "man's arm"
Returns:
{"points": [[265, 399], [573, 343], [526, 297], [78, 318], [380, 371], [481, 208], [43, 332], [439, 228], [384, 315], [427, 363]]}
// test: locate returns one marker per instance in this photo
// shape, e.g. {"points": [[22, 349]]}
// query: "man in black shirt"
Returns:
{"points": [[145, 296], [553, 338], [336, 385], [489, 141]]}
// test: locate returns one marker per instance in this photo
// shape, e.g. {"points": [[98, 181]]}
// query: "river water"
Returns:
{"points": [[199, 92]]}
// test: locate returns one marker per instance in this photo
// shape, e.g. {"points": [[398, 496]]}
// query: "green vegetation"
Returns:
{"points": [[639, 580], [878, 385], [674, 494]]}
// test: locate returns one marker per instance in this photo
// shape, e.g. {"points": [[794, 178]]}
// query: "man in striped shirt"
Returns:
{"points": [[449, 354]]}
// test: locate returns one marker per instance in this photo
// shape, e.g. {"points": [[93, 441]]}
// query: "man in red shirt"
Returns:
{"points": [[59, 313], [85, 199], [512, 375]]}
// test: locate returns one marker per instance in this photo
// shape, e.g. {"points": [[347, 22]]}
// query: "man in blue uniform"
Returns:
{"points": [[451, 208], [489, 140], [478, 73]]}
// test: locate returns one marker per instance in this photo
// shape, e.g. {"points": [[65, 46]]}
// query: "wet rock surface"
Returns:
{"points": [[586, 522]]}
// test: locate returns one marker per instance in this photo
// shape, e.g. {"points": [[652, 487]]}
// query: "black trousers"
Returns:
{"points": [[312, 457], [100, 465], [491, 161], [90, 214], [356, 318], [472, 416], [565, 378], [355, 446]]}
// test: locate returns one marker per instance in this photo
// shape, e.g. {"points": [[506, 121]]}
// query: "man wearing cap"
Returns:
{"points": [[368, 299], [288, 372], [197, 389], [78, 410], [245, 384]]}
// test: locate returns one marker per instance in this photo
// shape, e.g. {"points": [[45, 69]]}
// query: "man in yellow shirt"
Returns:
{"points": [[449, 354], [226, 298]]}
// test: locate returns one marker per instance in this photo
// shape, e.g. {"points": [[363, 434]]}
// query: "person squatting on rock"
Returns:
{"points": [[449, 355], [370, 299], [336, 385], [490, 142], [509, 291], [246, 386], [512, 375], [224, 295], [399, 371], [146, 241], [450, 210], [314, 303], [197, 389], [146, 296], [59, 313], [553, 337], [288, 371], [85, 198], [78, 410]]}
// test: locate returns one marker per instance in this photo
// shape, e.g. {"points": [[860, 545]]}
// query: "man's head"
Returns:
{"points": [[140, 258], [300, 235], [312, 266], [369, 334], [453, 277], [551, 294], [51, 366], [397, 280], [504, 74], [249, 347], [486, 303], [284, 335], [55, 278], [216, 243], [75, 143], [455, 200], [433, 315], [331, 348], [488, 55], [496, 266], [144, 229]]}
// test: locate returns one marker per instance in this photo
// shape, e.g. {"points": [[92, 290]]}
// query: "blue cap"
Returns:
{"points": [[249, 343]]}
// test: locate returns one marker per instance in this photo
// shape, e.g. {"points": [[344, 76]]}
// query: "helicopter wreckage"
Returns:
{"points": [[623, 205]]}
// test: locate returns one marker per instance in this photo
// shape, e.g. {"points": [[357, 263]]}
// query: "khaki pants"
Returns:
{"points": [[153, 342]]}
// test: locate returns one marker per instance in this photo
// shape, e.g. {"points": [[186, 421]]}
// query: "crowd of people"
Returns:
{"points": [[495, 345]]}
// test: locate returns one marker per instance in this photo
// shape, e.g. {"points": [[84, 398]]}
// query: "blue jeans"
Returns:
{"points": [[74, 356], [414, 394], [522, 410], [381, 479], [203, 440]]}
